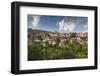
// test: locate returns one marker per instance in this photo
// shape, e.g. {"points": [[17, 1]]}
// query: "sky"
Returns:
{"points": [[61, 24]]}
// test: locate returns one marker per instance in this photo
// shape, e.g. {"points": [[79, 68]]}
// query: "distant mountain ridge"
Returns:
{"points": [[37, 31]]}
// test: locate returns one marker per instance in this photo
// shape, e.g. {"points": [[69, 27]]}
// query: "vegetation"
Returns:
{"points": [[36, 51]]}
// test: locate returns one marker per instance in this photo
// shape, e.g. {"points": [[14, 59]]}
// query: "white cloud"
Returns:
{"points": [[35, 20], [66, 26], [61, 25]]}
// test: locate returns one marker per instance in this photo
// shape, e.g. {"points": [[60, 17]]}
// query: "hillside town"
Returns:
{"points": [[56, 38]]}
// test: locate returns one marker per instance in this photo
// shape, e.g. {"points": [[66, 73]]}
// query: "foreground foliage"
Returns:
{"points": [[71, 51]]}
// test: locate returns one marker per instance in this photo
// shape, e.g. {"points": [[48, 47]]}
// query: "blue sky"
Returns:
{"points": [[58, 23]]}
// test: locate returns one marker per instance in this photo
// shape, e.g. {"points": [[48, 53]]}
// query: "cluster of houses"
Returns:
{"points": [[56, 38]]}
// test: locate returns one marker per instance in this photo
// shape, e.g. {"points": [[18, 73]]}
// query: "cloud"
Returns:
{"points": [[66, 26], [35, 20], [61, 25]]}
